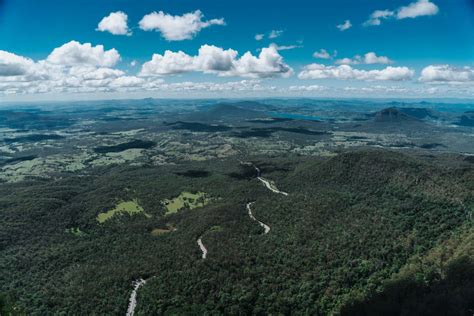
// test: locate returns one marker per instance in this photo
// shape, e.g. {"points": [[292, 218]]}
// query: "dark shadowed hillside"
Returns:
{"points": [[393, 115], [420, 113], [467, 119], [228, 111]]}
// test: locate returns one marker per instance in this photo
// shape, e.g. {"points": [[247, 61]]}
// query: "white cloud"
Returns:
{"points": [[177, 27], [346, 72], [416, 9], [92, 73], [269, 35], [413, 10], [269, 63], [377, 16], [380, 90], [75, 53], [238, 86], [72, 67], [168, 63], [323, 54], [285, 47], [14, 65], [115, 23], [275, 33], [369, 58], [212, 59], [447, 73], [314, 87], [344, 26], [349, 61], [127, 81]]}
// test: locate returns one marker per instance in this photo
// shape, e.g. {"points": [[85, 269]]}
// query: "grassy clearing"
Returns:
{"points": [[160, 231], [130, 207], [186, 200], [116, 158], [216, 229]]}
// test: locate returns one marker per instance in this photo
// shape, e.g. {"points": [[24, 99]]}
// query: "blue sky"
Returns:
{"points": [[420, 48]]}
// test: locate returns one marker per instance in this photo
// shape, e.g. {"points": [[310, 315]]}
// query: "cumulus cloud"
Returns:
{"points": [[344, 26], [115, 23], [323, 54], [369, 58], [92, 73], [72, 67], [413, 10], [14, 65], [259, 37], [349, 61], [447, 73], [346, 72], [177, 27], [216, 60], [127, 81], [168, 63], [75, 53], [416, 9]]}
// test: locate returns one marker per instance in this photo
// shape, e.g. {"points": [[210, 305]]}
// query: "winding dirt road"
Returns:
{"points": [[132, 301], [203, 249], [268, 184], [265, 227]]}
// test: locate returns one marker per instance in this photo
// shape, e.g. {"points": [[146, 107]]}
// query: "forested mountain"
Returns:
{"points": [[364, 232]]}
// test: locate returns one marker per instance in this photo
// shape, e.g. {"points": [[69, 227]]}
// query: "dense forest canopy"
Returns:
{"points": [[365, 232]]}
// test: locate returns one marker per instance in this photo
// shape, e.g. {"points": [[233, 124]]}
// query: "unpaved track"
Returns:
{"points": [[265, 226], [132, 301], [203, 248], [269, 185]]}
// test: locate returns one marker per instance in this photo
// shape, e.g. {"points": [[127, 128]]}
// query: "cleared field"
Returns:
{"points": [[185, 200], [161, 231], [130, 207]]}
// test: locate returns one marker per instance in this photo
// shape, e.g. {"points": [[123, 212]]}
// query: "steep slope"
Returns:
{"points": [[393, 115], [467, 119], [440, 282], [419, 113]]}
